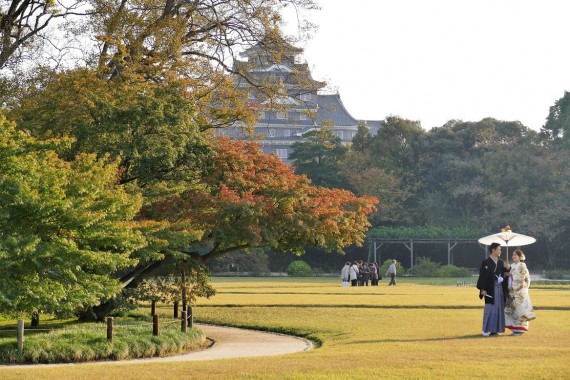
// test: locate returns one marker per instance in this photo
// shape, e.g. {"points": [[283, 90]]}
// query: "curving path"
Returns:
{"points": [[226, 342], [231, 342]]}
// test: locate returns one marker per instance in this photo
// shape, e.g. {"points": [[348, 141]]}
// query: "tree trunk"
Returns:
{"points": [[184, 302], [100, 312]]}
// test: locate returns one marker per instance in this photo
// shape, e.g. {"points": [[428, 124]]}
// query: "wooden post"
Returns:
{"points": [[20, 335], [155, 330], [35, 319], [109, 329], [176, 309], [183, 323], [152, 307], [190, 317]]}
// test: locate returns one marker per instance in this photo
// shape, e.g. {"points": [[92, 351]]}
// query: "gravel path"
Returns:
{"points": [[231, 342]]}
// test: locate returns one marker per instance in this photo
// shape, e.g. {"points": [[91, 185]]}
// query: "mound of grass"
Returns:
{"points": [[132, 339]]}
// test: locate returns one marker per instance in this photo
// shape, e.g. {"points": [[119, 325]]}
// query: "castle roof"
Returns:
{"points": [[331, 108]]}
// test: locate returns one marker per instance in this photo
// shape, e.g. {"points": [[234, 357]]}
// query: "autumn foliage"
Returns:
{"points": [[250, 199]]}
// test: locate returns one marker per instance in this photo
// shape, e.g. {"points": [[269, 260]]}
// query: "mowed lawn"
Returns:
{"points": [[408, 331]]}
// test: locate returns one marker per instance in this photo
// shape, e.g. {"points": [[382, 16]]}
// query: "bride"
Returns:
{"points": [[518, 309]]}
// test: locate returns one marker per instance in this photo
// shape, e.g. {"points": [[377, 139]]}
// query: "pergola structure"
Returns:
{"points": [[376, 243]]}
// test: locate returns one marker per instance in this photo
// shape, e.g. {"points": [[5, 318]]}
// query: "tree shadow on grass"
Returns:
{"points": [[442, 339]]}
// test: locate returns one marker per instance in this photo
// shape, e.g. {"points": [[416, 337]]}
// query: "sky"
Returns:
{"points": [[438, 60]]}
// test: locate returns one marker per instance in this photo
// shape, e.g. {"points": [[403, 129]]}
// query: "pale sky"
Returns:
{"points": [[436, 60]]}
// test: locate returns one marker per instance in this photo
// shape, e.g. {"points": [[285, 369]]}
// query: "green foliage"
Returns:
{"points": [[466, 180], [558, 120], [453, 271], [65, 226], [299, 268], [386, 232], [148, 126], [317, 156], [386, 264], [424, 267], [192, 285]]}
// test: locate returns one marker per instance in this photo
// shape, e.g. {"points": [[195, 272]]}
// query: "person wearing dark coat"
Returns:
{"points": [[493, 288]]}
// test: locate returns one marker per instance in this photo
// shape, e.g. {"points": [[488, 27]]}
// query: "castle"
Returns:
{"points": [[299, 107]]}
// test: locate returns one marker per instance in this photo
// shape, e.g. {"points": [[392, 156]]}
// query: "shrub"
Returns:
{"points": [[453, 271], [384, 268], [425, 268], [299, 268]]}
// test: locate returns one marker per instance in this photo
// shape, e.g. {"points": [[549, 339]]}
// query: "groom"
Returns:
{"points": [[493, 288]]}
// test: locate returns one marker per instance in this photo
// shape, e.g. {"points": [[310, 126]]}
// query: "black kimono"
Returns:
{"points": [[488, 273]]}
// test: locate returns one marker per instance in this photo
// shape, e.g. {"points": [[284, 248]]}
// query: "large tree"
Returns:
{"points": [[65, 226], [246, 199], [197, 41], [250, 199], [154, 82], [389, 166]]}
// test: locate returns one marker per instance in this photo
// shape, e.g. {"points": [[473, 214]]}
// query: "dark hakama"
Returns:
{"points": [[493, 314]]}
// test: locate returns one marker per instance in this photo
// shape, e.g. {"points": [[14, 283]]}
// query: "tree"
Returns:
{"points": [[398, 145], [23, 22], [558, 121], [149, 126], [362, 139], [158, 41], [388, 166], [171, 288], [367, 179], [250, 199], [247, 200], [65, 226], [317, 157]]}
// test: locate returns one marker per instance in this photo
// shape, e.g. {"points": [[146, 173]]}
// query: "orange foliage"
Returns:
{"points": [[252, 199]]}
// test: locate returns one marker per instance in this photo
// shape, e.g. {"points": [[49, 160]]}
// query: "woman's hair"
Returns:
{"points": [[520, 254]]}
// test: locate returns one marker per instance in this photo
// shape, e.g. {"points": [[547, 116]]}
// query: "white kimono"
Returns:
{"points": [[518, 309]]}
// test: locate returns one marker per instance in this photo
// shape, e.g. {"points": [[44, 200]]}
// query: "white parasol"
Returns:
{"points": [[507, 238]]}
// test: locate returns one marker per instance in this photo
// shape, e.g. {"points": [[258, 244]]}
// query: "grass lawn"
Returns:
{"points": [[415, 330]]}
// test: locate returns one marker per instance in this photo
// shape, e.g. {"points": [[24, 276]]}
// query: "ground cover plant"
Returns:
{"points": [[69, 342], [415, 330]]}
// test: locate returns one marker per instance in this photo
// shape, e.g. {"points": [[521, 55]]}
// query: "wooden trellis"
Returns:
{"points": [[375, 244]]}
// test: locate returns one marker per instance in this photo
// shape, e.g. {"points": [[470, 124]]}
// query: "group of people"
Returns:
{"points": [[504, 287], [361, 273]]}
